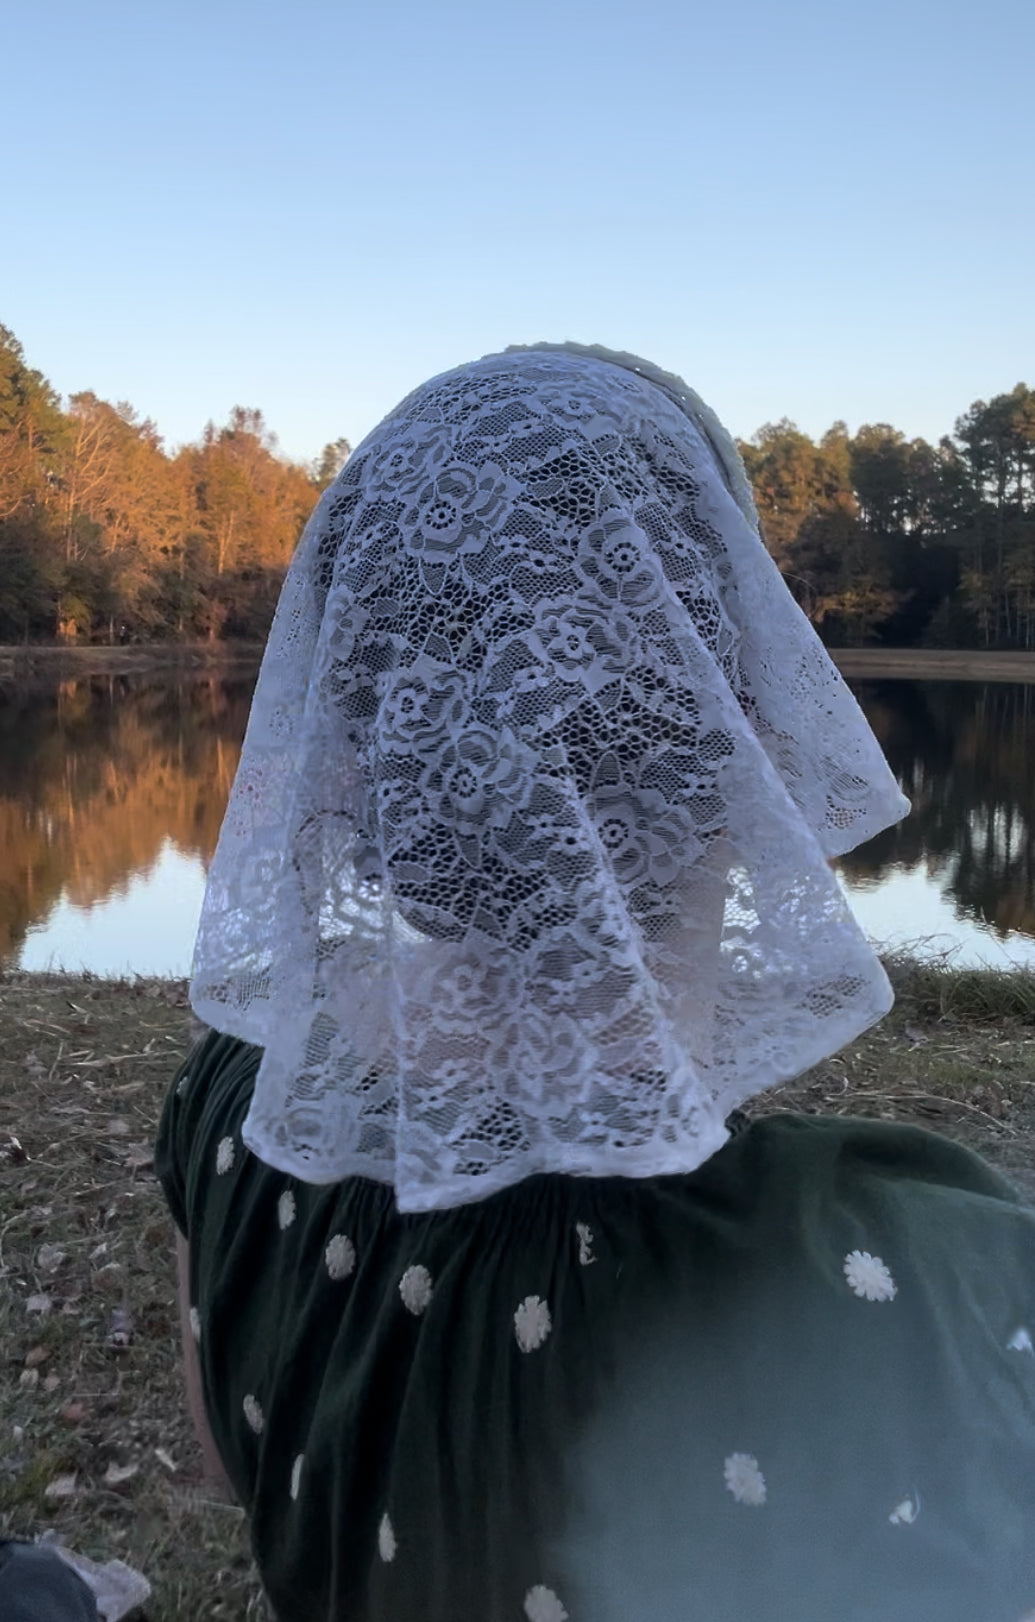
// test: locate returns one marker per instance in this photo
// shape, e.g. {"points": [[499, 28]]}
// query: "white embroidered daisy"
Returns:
{"points": [[415, 1287], [195, 1322], [296, 1475], [253, 1413], [905, 1514], [584, 1234], [744, 1479], [542, 1605], [286, 1209], [340, 1256], [224, 1156], [1020, 1341], [386, 1544], [532, 1323], [868, 1277]]}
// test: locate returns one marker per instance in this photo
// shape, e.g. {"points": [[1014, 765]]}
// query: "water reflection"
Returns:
{"points": [[963, 753], [112, 791]]}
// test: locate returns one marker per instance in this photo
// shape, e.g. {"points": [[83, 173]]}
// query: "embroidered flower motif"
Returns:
{"points": [[616, 557], [484, 773], [386, 1544], [585, 1238], [564, 636], [744, 1479], [640, 832], [402, 465], [542, 1605], [286, 1209], [1020, 1341], [296, 1475], [340, 1256], [253, 1413], [224, 1156], [868, 1277], [905, 1514], [458, 509], [417, 713], [416, 1289], [532, 1323], [195, 1322]]}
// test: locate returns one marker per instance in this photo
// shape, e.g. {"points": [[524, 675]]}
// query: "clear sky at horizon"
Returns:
{"points": [[808, 210]]}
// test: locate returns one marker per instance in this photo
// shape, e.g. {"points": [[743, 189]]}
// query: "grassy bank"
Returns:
{"points": [[94, 1441]]}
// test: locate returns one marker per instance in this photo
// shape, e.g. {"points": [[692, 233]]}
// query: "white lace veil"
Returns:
{"points": [[524, 868]]}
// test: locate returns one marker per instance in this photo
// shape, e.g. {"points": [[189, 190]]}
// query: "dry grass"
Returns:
{"points": [[957, 1055], [94, 1440]]}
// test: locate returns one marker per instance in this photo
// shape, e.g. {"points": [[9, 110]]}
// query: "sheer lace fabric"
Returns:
{"points": [[524, 866]]}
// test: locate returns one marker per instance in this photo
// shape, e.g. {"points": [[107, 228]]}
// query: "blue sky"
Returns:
{"points": [[811, 210]]}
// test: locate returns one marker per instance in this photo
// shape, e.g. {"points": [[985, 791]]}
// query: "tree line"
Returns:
{"points": [[895, 541], [104, 536]]}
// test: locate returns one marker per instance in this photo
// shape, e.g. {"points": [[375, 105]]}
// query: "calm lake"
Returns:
{"points": [[112, 790]]}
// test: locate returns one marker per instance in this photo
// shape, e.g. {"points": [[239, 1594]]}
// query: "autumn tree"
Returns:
{"points": [[880, 538], [248, 509]]}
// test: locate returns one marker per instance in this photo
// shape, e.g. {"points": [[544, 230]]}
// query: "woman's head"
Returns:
{"points": [[543, 766]]}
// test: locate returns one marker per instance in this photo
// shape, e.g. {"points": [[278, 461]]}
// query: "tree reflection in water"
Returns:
{"points": [[963, 753], [99, 775]]}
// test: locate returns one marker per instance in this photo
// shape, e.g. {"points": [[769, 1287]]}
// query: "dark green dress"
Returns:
{"points": [[795, 1386]]}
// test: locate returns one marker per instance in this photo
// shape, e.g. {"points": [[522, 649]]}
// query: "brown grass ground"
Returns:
{"points": [[94, 1439]]}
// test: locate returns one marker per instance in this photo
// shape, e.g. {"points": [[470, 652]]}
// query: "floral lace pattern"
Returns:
{"points": [[523, 869]]}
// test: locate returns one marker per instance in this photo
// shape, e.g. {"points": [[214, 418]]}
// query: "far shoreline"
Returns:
{"points": [[933, 664], [50, 662]]}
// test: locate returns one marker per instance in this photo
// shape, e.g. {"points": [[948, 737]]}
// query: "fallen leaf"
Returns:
{"points": [[34, 1064], [167, 1459], [39, 1303], [117, 1127], [108, 1279], [61, 1487], [139, 1157], [120, 1329], [116, 1474], [51, 1383], [29, 1379], [73, 1413], [36, 1355], [50, 1257]]}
